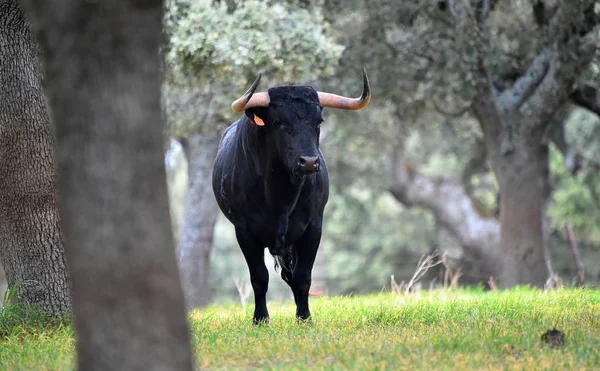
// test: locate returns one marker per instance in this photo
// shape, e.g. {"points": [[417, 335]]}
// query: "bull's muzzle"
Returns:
{"points": [[308, 164]]}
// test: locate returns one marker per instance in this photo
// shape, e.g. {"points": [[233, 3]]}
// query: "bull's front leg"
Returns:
{"points": [[282, 227], [306, 252], [254, 253]]}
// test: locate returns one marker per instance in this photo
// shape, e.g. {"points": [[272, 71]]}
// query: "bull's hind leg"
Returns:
{"points": [[306, 252], [286, 274], [254, 254]]}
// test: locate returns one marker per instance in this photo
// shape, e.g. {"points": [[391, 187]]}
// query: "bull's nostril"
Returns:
{"points": [[308, 163]]}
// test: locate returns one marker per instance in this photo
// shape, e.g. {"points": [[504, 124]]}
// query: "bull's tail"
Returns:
{"points": [[285, 261]]}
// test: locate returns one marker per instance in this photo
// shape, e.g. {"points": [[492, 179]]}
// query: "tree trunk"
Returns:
{"points": [[199, 218], [31, 249], [520, 164], [523, 177], [103, 74]]}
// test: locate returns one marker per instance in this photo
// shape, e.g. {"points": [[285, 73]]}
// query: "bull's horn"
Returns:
{"points": [[249, 99], [338, 101]]}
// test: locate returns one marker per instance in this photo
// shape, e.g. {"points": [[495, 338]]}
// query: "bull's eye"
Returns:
{"points": [[277, 123]]}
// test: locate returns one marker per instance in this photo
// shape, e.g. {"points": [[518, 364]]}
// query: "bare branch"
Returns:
{"points": [[522, 89], [576, 255], [425, 264], [244, 289], [572, 51]]}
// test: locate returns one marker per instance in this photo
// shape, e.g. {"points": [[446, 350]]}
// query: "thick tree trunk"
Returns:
{"points": [[199, 218], [103, 74], [515, 110], [520, 163], [31, 249], [523, 177]]}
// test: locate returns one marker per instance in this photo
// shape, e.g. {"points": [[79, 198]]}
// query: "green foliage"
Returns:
{"points": [[576, 199], [30, 340], [214, 44], [368, 236], [18, 318], [214, 53], [414, 65], [455, 330]]}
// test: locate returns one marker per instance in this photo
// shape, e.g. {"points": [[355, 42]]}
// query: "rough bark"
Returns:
{"points": [[523, 178], [103, 81], [452, 207], [199, 218], [31, 248]]}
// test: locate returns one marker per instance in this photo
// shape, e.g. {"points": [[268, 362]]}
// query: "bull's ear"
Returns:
{"points": [[254, 116]]}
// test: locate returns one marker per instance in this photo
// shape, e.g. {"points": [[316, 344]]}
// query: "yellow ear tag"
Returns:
{"points": [[258, 121]]}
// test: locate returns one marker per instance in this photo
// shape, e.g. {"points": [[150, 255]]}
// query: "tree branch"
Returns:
{"points": [[587, 97], [576, 256], [570, 54], [477, 164], [513, 98], [452, 207]]}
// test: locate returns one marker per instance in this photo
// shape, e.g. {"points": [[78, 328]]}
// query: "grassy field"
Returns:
{"points": [[443, 330]]}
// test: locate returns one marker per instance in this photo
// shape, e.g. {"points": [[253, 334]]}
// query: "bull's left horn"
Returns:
{"points": [[249, 99], [338, 101]]}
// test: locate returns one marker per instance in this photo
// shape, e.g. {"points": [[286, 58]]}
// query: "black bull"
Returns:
{"points": [[270, 180]]}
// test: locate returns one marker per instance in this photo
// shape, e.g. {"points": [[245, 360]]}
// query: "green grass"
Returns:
{"points": [[29, 340], [443, 330]]}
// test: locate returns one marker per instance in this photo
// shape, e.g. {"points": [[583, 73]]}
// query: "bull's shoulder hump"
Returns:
{"points": [[229, 134]]}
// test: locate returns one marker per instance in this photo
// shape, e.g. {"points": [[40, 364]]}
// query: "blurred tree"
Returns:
{"points": [[31, 248], [397, 129], [500, 63], [215, 51], [103, 81], [577, 197], [516, 93]]}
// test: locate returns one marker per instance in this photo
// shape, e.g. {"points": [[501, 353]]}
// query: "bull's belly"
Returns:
{"points": [[268, 235]]}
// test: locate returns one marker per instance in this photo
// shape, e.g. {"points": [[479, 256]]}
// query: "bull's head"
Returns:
{"points": [[291, 116]]}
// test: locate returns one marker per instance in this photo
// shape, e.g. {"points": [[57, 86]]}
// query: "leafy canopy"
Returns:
{"points": [[214, 44], [215, 52]]}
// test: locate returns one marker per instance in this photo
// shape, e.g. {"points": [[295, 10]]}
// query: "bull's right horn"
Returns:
{"points": [[249, 99]]}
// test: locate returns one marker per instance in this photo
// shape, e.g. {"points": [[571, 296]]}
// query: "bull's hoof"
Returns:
{"points": [[304, 320], [260, 321]]}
